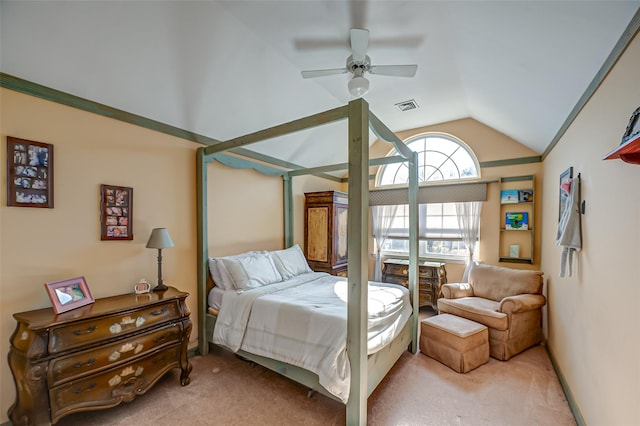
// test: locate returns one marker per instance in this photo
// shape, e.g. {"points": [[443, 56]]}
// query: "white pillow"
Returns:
{"points": [[215, 272], [290, 262], [255, 270], [219, 273]]}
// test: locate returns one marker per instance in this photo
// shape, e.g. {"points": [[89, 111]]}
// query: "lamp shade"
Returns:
{"points": [[358, 86], [160, 239]]}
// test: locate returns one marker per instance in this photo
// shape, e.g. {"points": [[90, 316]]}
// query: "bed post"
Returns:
{"points": [[413, 248], [288, 210], [357, 244], [201, 194], [385, 134]]}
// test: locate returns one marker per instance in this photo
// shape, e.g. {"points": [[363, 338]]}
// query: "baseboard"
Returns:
{"points": [[566, 389]]}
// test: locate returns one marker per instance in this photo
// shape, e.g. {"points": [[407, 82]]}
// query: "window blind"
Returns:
{"points": [[448, 193]]}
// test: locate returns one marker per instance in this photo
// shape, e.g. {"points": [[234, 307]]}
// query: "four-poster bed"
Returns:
{"points": [[366, 371]]}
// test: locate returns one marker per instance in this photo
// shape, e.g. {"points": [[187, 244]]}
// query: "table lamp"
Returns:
{"points": [[160, 239]]}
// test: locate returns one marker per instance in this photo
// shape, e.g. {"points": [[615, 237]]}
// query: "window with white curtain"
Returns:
{"points": [[442, 158]]}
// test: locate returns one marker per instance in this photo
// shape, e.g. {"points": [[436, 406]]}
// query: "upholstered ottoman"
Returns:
{"points": [[455, 341]]}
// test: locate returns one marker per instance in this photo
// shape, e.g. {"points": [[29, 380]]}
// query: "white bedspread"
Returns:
{"points": [[302, 321]]}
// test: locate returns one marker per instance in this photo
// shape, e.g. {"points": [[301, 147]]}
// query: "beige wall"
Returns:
{"points": [[245, 209], [593, 316], [488, 145], [43, 245]]}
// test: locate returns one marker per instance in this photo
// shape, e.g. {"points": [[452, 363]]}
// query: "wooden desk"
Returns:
{"points": [[431, 277], [96, 356]]}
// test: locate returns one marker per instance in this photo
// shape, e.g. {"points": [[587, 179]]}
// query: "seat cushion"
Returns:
{"points": [[478, 309]]}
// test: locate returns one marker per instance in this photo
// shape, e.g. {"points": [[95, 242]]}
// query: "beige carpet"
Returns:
{"points": [[225, 390]]}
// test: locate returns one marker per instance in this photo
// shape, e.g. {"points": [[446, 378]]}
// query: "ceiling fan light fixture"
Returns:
{"points": [[358, 86]]}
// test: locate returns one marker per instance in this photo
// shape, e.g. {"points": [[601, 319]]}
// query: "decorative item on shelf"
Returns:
{"points": [[517, 221], [629, 149], [525, 195], [514, 250], [69, 294], [160, 239], [508, 196], [116, 213], [142, 287], [29, 173]]}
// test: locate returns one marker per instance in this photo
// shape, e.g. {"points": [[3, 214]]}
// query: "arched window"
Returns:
{"points": [[441, 157]]}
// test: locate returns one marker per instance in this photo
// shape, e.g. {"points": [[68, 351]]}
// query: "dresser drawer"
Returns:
{"points": [[83, 333], [425, 298], [403, 270], [80, 364], [423, 284], [112, 386]]}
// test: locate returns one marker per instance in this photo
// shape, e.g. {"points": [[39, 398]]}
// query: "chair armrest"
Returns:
{"points": [[521, 303], [456, 290]]}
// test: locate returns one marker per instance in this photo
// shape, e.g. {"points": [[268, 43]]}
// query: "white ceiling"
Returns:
{"points": [[225, 69]]}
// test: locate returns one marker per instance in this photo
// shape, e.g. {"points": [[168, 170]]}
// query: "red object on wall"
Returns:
{"points": [[629, 152]]}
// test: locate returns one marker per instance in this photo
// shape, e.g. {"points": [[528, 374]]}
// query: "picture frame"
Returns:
{"points": [[564, 178], [116, 213], [29, 173], [142, 287], [69, 294]]}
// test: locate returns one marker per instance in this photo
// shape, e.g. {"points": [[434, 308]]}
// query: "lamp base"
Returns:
{"points": [[160, 287]]}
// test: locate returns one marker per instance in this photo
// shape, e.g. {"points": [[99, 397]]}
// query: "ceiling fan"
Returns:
{"points": [[358, 63]]}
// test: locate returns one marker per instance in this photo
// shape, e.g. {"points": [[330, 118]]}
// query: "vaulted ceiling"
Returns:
{"points": [[225, 69]]}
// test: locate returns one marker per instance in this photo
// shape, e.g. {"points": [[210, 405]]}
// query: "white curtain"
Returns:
{"points": [[382, 220], [469, 222]]}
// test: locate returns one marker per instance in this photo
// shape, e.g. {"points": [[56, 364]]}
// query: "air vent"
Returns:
{"points": [[407, 105]]}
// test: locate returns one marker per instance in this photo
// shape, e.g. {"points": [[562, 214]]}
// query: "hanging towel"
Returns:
{"points": [[569, 234]]}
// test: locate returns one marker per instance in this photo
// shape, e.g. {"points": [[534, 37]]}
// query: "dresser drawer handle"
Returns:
{"points": [[161, 338], [87, 364], [404, 272], [87, 331], [87, 389], [160, 312]]}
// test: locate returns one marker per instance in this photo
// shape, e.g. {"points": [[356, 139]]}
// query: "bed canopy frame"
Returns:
{"points": [[364, 376]]}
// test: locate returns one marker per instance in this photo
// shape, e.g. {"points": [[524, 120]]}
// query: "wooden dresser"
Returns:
{"points": [[431, 277], [96, 356], [325, 231]]}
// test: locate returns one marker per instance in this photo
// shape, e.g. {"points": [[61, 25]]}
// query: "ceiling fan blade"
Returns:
{"points": [[359, 44], [322, 73], [395, 70]]}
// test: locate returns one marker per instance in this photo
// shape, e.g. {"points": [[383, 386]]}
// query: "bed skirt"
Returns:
{"points": [[378, 364]]}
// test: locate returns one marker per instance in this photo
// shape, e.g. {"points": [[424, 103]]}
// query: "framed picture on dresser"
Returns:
{"points": [[69, 294], [29, 173]]}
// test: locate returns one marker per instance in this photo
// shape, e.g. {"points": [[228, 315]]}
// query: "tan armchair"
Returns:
{"points": [[508, 301]]}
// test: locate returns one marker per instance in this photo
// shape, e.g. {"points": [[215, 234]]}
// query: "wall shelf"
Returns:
{"points": [[517, 202]]}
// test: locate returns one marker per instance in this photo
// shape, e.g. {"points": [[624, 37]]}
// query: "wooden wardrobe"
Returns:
{"points": [[325, 231]]}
